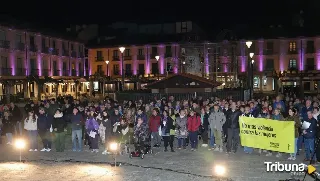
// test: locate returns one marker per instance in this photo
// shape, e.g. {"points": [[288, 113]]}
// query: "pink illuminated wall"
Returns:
{"points": [[176, 60], [283, 52], [301, 54], [243, 57], [13, 63], [318, 61], [260, 56], [60, 64], [147, 59], [225, 66], [39, 62], [135, 61], [121, 62], [161, 52]]}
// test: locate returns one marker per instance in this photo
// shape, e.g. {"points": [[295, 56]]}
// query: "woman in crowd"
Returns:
{"points": [[92, 127], [193, 123], [172, 113], [8, 126], [59, 125], [30, 124], [107, 134], [181, 129], [166, 125], [140, 135], [279, 117], [44, 125], [293, 116]]}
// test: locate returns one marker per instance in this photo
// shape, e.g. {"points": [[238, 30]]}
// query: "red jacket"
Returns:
{"points": [[193, 123], [154, 123]]}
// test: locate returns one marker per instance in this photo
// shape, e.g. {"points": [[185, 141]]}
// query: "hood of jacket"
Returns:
{"points": [[60, 115]]}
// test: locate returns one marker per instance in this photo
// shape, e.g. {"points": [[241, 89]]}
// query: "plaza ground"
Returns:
{"points": [[180, 165]]}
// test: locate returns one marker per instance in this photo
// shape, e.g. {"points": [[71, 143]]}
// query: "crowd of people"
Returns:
{"points": [[213, 121]]}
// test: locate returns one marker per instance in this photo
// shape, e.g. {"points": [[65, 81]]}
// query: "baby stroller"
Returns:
{"points": [[142, 146]]}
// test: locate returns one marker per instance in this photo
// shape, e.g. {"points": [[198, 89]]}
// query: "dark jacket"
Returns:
{"points": [[304, 112], [7, 125], [169, 124], [115, 118], [141, 133], [44, 123], [16, 114], [109, 127], [76, 121], [59, 123], [143, 117], [233, 119], [311, 131], [205, 123]]}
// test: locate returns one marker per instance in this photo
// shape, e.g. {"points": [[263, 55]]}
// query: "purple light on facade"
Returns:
{"points": [[161, 59], [60, 66], [135, 67], [176, 59], [261, 42], [225, 67], [318, 61], [13, 64], [207, 64], [301, 58], [39, 61], [243, 58], [147, 67], [243, 63], [121, 63]]}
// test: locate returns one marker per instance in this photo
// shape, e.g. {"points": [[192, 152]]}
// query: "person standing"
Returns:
{"points": [[181, 129], [205, 112], [166, 125], [154, 124], [232, 121], [293, 116], [59, 125], [193, 128], [309, 135], [76, 125], [92, 127], [16, 118], [44, 125], [8, 126], [30, 124], [216, 121]]}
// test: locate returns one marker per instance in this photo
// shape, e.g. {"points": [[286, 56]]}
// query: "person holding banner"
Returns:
{"points": [[233, 128], [216, 121], [309, 134], [247, 113], [293, 116]]}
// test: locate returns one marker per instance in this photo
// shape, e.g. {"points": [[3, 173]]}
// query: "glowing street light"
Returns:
{"points": [[219, 170], [249, 43], [252, 61], [20, 144], [122, 61], [122, 49], [251, 55], [157, 57], [114, 147]]}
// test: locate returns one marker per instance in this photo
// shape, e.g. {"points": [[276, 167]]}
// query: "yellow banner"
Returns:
{"points": [[267, 134]]}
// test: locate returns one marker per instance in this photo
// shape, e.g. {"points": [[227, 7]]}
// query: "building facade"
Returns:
{"points": [[278, 64], [29, 59]]}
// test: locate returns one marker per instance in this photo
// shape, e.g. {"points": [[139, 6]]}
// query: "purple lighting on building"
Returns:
{"points": [[243, 63], [301, 59], [60, 66], [135, 62], [13, 64], [261, 42], [39, 61], [147, 67], [161, 59], [318, 60], [225, 67], [207, 64], [243, 58]]}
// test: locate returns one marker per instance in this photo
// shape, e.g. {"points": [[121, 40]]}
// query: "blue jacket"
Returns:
{"points": [[282, 105], [44, 123], [76, 121], [304, 112], [143, 117], [311, 131]]}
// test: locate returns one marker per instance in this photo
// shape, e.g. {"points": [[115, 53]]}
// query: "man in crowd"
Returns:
{"points": [[233, 128], [216, 120]]}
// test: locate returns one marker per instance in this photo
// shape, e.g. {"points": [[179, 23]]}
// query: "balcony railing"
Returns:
{"points": [[33, 48], [34, 72], [291, 52], [45, 50], [128, 73], [81, 74], [169, 54], [74, 73], [115, 58], [127, 58], [6, 71], [99, 59], [140, 57], [21, 71], [74, 54], [20, 46], [116, 72], [55, 52], [46, 72], [65, 52], [65, 72], [310, 67], [141, 72], [56, 72], [4, 44], [80, 55]]}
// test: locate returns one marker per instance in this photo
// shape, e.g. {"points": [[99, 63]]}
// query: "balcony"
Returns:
{"points": [[4, 44], [20, 72], [55, 52], [268, 52], [80, 55], [6, 71], [310, 67], [128, 73], [74, 54], [140, 57], [46, 72], [65, 72], [169, 54], [141, 72], [45, 50], [65, 53], [34, 72], [99, 59], [153, 55], [33, 48], [116, 72], [127, 58], [74, 73], [292, 52], [56, 72], [20, 46], [115, 58], [81, 74]]}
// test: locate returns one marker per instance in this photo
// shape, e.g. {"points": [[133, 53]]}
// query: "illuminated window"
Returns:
{"points": [[293, 46], [264, 80], [292, 63], [256, 82]]}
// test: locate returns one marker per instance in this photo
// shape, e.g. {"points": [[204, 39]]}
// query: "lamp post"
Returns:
{"points": [[157, 58], [20, 144], [182, 68], [252, 78], [104, 80], [122, 80], [249, 43]]}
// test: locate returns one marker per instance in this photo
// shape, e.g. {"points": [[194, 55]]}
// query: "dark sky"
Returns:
{"points": [[212, 14]]}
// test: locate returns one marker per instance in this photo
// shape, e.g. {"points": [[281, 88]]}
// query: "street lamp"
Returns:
{"points": [[104, 79], [250, 70], [249, 43], [122, 80], [251, 55], [20, 144], [114, 148], [157, 58]]}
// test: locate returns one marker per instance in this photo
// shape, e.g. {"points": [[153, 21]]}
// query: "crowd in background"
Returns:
{"points": [[215, 121]]}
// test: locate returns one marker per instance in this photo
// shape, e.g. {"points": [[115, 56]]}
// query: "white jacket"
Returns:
{"points": [[30, 125]]}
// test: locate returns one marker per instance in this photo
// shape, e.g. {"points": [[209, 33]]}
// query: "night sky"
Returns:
{"points": [[215, 14]]}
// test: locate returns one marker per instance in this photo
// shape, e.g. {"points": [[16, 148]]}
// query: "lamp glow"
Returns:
{"points": [[219, 170], [251, 55], [122, 49], [20, 144], [249, 43], [183, 62], [252, 61], [113, 146], [157, 57], [107, 62]]}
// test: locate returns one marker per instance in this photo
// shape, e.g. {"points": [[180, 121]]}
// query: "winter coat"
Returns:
{"points": [[181, 127], [166, 125], [7, 125], [141, 132], [76, 121], [217, 120], [297, 124], [232, 119], [312, 130], [193, 123], [59, 123], [44, 123], [92, 125], [16, 114], [31, 124], [154, 123], [108, 127]]}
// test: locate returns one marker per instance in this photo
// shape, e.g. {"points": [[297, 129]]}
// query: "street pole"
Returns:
{"points": [[122, 80], [108, 78], [104, 83]]}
